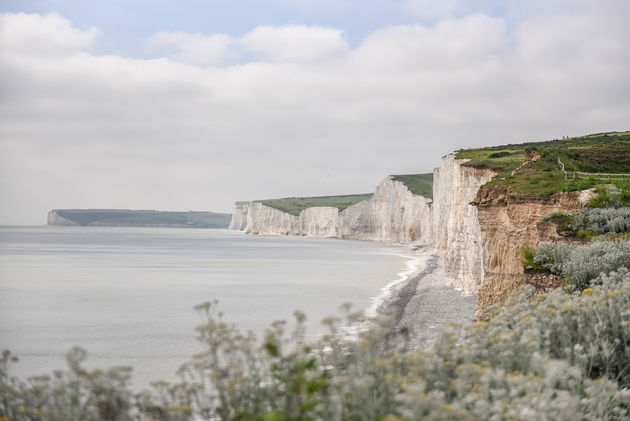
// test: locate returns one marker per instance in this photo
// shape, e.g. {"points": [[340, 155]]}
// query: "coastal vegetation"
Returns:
{"points": [[598, 154], [295, 205], [126, 217], [603, 228], [420, 184], [561, 355]]}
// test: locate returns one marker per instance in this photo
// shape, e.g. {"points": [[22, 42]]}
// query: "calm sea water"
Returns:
{"points": [[126, 294]]}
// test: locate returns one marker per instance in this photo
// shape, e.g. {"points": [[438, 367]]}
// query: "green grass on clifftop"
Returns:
{"points": [[294, 205], [420, 184], [595, 153]]}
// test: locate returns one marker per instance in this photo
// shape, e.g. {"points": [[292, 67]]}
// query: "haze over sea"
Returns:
{"points": [[126, 294]]}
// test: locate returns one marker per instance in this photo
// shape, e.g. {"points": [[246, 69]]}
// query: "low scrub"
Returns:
{"points": [[602, 220], [579, 265], [591, 222]]}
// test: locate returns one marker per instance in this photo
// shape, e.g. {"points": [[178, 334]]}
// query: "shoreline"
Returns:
{"points": [[420, 306], [411, 270]]}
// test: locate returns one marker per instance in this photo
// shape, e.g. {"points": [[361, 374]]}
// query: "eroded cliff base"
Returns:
{"points": [[507, 222], [499, 287]]}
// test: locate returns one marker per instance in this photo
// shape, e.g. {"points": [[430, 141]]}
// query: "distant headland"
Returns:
{"points": [[137, 218]]}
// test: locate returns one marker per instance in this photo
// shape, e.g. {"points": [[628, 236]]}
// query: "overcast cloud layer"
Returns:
{"points": [[292, 110]]}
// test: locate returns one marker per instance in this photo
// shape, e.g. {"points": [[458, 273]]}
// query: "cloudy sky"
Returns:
{"points": [[193, 104]]}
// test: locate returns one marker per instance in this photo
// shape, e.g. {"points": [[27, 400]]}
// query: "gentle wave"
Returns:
{"points": [[417, 259]]}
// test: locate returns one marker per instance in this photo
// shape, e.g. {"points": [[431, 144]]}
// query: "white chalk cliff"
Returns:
{"points": [[239, 216], [456, 230], [55, 219], [393, 215]]}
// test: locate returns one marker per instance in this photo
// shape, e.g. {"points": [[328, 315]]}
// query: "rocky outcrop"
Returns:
{"points": [[508, 221], [393, 215], [239, 216], [456, 230], [55, 219]]}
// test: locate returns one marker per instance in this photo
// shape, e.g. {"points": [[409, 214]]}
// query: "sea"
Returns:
{"points": [[126, 295]]}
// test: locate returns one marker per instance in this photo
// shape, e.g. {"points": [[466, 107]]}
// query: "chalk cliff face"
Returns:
{"points": [[239, 216], [456, 230], [507, 222], [393, 215], [264, 220], [55, 219], [320, 221]]}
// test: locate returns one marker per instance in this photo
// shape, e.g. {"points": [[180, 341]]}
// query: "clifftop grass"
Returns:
{"points": [[420, 184], [595, 153], [295, 205]]}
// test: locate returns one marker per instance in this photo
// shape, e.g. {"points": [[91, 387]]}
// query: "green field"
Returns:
{"points": [[295, 205], [596, 153], [126, 217], [420, 184]]}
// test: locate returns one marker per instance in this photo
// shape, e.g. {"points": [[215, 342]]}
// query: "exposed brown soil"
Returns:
{"points": [[541, 280], [509, 221]]}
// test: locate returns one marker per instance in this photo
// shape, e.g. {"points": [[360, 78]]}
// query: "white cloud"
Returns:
{"points": [[196, 49], [451, 43], [81, 130], [290, 43], [42, 35], [294, 42]]}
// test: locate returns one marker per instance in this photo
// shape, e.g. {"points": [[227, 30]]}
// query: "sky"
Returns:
{"points": [[192, 104]]}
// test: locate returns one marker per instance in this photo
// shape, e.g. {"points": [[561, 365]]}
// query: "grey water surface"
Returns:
{"points": [[126, 294]]}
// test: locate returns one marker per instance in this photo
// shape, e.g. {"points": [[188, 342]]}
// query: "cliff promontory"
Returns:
{"points": [[456, 230], [137, 218]]}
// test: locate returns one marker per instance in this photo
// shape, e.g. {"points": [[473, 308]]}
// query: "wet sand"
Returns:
{"points": [[422, 305]]}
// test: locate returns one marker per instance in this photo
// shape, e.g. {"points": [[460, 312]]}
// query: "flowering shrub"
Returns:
{"points": [[580, 264], [73, 394], [601, 220], [592, 222], [553, 256]]}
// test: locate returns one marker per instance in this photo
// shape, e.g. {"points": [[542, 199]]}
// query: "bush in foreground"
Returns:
{"points": [[581, 264]]}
